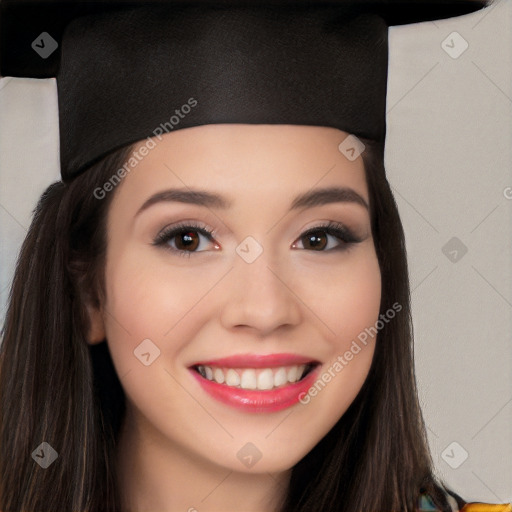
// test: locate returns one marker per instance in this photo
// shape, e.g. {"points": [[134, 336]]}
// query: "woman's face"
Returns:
{"points": [[194, 323]]}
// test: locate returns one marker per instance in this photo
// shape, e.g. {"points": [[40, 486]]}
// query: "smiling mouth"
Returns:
{"points": [[259, 379]]}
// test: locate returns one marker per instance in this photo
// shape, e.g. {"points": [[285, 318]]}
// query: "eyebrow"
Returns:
{"points": [[328, 195], [316, 197]]}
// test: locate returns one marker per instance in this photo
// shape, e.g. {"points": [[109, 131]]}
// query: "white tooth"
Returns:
{"points": [[300, 372], [248, 380], [292, 374], [209, 372], [266, 379], [232, 378], [218, 375], [280, 377]]}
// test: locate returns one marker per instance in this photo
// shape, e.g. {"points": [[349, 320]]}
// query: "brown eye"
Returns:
{"points": [[331, 237], [187, 241], [316, 240]]}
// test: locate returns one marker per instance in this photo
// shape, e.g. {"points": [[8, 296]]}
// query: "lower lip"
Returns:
{"points": [[258, 401]]}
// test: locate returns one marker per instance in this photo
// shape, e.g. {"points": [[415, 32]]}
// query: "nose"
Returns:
{"points": [[260, 298]]}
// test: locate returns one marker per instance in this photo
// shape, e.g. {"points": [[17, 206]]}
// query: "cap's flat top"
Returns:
{"points": [[23, 21]]}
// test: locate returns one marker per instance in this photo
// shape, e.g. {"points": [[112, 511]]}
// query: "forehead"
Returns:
{"points": [[246, 158]]}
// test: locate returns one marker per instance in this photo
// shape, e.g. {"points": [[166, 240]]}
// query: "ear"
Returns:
{"points": [[96, 332]]}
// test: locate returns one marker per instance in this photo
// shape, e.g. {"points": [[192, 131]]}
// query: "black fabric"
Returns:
{"points": [[125, 75], [21, 21]]}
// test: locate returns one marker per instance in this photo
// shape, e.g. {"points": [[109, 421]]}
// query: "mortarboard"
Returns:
{"points": [[128, 70]]}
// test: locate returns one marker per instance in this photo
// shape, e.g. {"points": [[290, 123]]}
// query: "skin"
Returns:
{"points": [[178, 447]]}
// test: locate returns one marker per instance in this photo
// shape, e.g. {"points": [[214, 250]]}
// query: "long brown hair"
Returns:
{"points": [[56, 388]]}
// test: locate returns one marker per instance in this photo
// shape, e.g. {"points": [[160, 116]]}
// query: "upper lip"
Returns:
{"points": [[257, 361]]}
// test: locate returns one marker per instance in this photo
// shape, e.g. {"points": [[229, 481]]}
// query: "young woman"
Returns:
{"points": [[216, 319]]}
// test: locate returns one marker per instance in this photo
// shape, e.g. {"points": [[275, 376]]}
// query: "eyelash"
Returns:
{"points": [[169, 233], [331, 228]]}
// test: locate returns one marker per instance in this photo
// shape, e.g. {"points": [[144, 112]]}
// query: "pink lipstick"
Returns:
{"points": [[257, 383]]}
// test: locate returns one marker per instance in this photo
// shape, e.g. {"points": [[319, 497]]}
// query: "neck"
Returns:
{"points": [[156, 475]]}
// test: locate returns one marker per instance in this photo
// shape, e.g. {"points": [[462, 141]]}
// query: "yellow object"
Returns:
{"points": [[486, 507]]}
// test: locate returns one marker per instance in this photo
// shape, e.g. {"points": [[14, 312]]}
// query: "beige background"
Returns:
{"points": [[448, 158]]}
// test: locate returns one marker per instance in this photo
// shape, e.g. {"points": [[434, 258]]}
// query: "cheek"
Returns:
{"points": [[152, 300], [343, 294], [169, 305], [344, 304]]}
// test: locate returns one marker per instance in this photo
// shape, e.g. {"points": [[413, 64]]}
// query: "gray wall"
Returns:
{"points": [[448, 158]]}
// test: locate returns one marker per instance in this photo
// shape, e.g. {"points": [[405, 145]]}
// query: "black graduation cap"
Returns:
{"points": [[128, 70]]}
